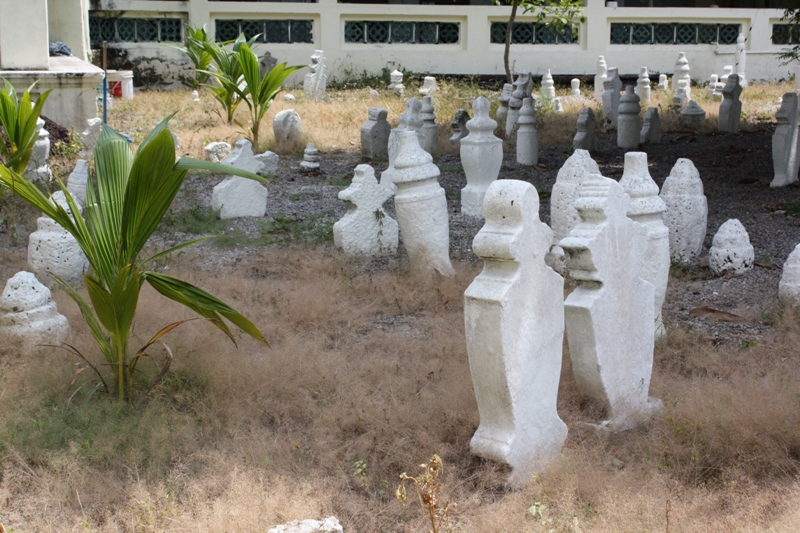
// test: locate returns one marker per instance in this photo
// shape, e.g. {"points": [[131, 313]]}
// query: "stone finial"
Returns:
{"points": [[521, 86], [481, 157], [502, 107], [396, 83], [459, 126], [789, 286], [53, 251], [686, 212], [609, 316], [629, 123], [527, 135], [421, 207], [575, 87], [682, 74], [731, 250], [217, 151], [429, 130], [366, 229], [429, 87], [78, 180], [514, 339], [693, 116], [310, 163], [316, 81], [651, 127], [646, 208], [663, 82], [237, 197], [563, 215], [28, 316], [611, 97], [587, 127], [642, 89], [741, 60], [730, 110], [599, 79], [375, 135], [785, 140], [547, 90], [287, 127]]}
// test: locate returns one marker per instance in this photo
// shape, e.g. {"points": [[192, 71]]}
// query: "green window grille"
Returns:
{"points": [[403, 32], [268, 30], [532, 33], [674, 33], [785, 34], [134, 30]]}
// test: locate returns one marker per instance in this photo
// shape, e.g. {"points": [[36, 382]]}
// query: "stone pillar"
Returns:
{"points": [[599, 79], [682, 73], [515, 103], [785, 160], [651, 127], [629, 123], [547, 90], [741, 60], [527, 136]]}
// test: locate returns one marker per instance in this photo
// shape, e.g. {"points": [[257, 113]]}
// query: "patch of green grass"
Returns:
{"points": [[343, 182], [196, 220]]}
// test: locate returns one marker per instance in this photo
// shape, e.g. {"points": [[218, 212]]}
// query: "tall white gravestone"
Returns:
{"points": [[629, 122], [37, 168], [28, 315], [741, 60], [785, 160], [731, 250], [515, 331], [521, 92], [611, 97], [599, 79], [789, 286], [238, 197], [429, 131], [366, 229], [646, 208], [481, 157], [609, 316], [687, 211], [421, 207], [643, 87], [428, 86], [587, 127], [89, 137], [730, 110], [527, 135], [682, 74], [316, 80], [375, 135], [547, 90]]}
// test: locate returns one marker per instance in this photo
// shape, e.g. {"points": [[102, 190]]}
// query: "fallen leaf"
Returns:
{"points": [[715, 314], [767, 265]]}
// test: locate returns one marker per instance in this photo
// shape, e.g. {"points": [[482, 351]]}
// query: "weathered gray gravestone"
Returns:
{"points": [[375, 135], [651, 127], [785, 160], [587, 127], [730, 110]]}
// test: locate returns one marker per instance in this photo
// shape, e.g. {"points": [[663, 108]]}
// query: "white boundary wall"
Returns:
{"points": [[474, 53]]}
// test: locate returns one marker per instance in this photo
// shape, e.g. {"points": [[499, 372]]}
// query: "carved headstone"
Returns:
{"points": [[731, 250], [514, 337], [76, 184], [693, 116], [316, 81], [682, 74], [266, 64], [651, 127], [481, 157], [515, 103], [712, 86], [686, 215], [629, 123], [599, 79], [609, 316], [789, 286], [217, 151], [459, 126], [680, 98], [643, 87], [366, 229], [587, 127], [611, 97], [375, 135], [646, 208], [287, 127], [238, 197], [575, 87], [563, 215], [502, 103], [527, 135], [429, 131], [421, 207], [785, 160], [28, 315], [730, 110], [52, 250], [547, 90]]}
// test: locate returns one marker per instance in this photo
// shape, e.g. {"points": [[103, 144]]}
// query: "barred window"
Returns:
{"points": [[673, 33], [532, 33], [135, 30], [267, 30], [405, 32]]}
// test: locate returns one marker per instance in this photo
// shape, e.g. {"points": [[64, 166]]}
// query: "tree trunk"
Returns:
{"points": [[509, 29]]}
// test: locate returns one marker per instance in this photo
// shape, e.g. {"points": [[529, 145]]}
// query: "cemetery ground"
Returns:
{"points": [[368, 375]]}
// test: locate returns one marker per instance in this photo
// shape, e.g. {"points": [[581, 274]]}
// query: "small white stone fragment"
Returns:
{"points": [[629, 122], [515, 330], [731, 250], [28, 316], [366, 229], [396, 83], [789, 286], [289, 98], [481, 156], [217, 151], [89, 137], [687, 211], [375, 135], [328, 525]]}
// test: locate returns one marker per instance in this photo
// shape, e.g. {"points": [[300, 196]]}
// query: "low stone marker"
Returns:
{"points": [[587, 127], [527, 136], [629, 123], [28, 315], [680, 98], [481, 157], [651, 127], [429, 131], [287, 127], [609, 316], [502, 104], [310, 163], [396, 83], [686, 215], [316, 81], [515, 332], [712, 85], [429, 87], [642, 89], [78, 180], [239, 197], [646, 208], [366, 229], [375, 135], [682, 74], [195, 96], [217, 151], [328, 525], [599, 79], [563, 215], [575, 87], [785, 160], [731, 250], [557, 107], [663, 82], [693, 116], [421, 207], [730, 110], [52, 250], [789, 286], [459, 126], [611, 97], [547, 90]]}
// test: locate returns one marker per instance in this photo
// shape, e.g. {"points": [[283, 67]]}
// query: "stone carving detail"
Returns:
{"points": [[789, 286], [785, 160], [459, 126], [366, 229], [429, 131], [527, 136], [609, 316], [629, 123], [587, 127], [651, 127], [421, 207], [646, 207], [28, 316], [514, 337], [316, 81], [730, 110], [687, 211], [731, 250], [481, 157], [375, 135]]}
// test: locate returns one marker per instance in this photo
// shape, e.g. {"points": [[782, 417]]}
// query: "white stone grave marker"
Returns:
{"points": [[629, 122], [375, 135], [587, 126], [643, 87], [599, 79], [785, 160], [366, 229], [527, 135], [481, 157], [687, 211], [651, 127], [429, 131], [28, 315], [611, 97], [731, 250]]}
